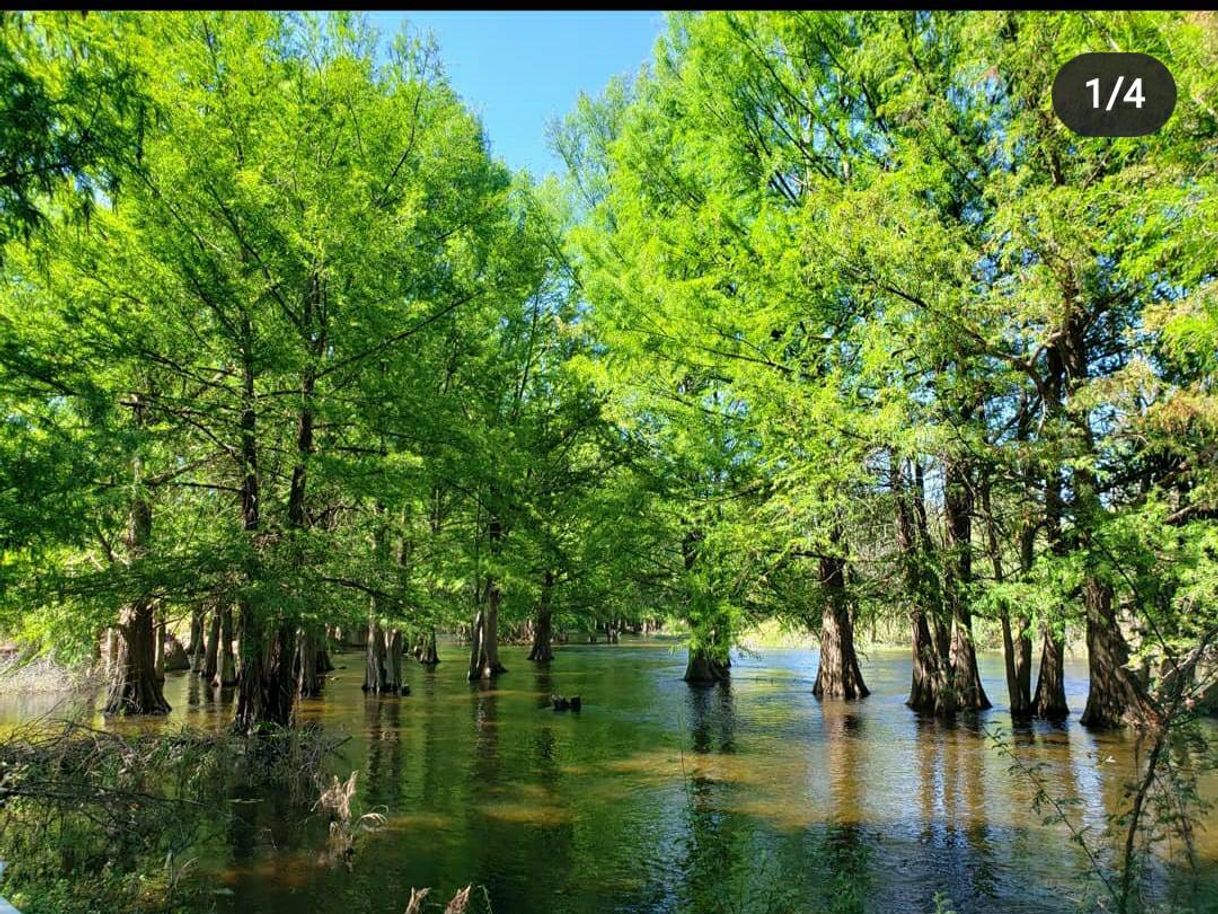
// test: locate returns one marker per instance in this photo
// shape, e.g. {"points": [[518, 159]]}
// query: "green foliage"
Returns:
{"points": [[831, 315], [314, 236], [817, 243]]}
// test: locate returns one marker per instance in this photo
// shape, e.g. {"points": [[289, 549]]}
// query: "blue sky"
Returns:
{"points": [[517, 71]]}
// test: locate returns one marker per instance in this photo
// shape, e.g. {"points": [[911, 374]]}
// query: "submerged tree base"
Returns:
{"points": [[135, 696], [484, 648], [1049, 702], [837, 675], [702, 669], [425, 650], [135, 688]]}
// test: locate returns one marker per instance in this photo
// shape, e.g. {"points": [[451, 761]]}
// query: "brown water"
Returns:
{"points": [[658, 797]]}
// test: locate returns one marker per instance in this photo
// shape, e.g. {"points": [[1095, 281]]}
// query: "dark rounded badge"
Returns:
{"points": [[1114, 94]]}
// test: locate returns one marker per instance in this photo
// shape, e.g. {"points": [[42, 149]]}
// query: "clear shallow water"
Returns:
{"points": [[659, 797]]}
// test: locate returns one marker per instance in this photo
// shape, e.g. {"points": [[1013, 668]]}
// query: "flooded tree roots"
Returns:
{"points": [[134, 685], [703, 668], [383, 661], [838, 675], [484, 663]]}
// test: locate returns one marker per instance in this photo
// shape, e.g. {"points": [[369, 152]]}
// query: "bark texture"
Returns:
{"points": [[266, 690], [484, 660], [376, 673], [1115, 696], [838, 675], [930, 691], [307, 667], [958, 506], [930, 687], [1050, 699], [134, 685]]}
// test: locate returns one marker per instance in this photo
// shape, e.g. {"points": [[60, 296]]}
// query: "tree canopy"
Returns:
{"points": [[830, 322]]}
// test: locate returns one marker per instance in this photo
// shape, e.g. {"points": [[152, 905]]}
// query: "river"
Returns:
{"points": [[659, 797]]}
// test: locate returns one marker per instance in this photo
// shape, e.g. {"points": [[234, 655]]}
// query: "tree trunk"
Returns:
{"points": [[1023, 662], [838, 674], [930, 692], [266, 690], [211, 657], [929, 689], [1017, 661], [304, 660], [394, 683], [376, 675], [1016, 647], [159, 651], [134, 686], [958, 508], [226, 671], [324, 663], [1050, 701], [707, 662], [112, 649], [197, 639], [306, 666], [543, 631], [475, 647], [966, 680], [1114, 696], [484, 657], [428, 655], [1019, 672]]}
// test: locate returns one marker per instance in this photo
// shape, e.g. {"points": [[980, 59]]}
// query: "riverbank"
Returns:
{"points": [[21, 674]]}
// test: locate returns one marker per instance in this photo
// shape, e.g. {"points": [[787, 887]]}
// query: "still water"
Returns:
{"points": [[659, 797]]}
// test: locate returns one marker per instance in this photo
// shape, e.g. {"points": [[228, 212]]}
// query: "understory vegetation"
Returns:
{"points": [[96, 821]]}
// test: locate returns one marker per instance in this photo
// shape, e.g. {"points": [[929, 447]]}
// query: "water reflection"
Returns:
{"points": [[846, 850], [748, 797], [712, 718], [383, 724], [716, 844]]}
